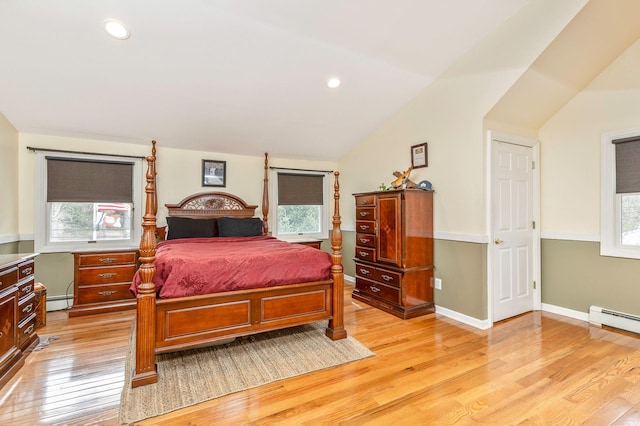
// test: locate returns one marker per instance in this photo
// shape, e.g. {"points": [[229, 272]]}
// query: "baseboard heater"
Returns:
{"points": [[601, 316]]}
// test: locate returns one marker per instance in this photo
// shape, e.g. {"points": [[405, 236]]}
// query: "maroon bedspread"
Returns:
{"points": [[187, 267]]}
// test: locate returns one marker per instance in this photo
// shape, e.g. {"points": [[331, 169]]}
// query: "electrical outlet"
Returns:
{"points": [[438, 284]]}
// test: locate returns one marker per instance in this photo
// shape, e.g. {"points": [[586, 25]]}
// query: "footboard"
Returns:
{"points": [[199, 320]]}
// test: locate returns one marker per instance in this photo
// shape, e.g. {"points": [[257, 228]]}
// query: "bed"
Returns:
{"points": [[166, 324]]}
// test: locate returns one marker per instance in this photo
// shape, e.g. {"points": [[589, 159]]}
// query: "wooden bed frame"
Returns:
{"points": [[166, 325]]}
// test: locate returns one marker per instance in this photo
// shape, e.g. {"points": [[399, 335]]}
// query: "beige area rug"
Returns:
{"points": [[190, 377]]}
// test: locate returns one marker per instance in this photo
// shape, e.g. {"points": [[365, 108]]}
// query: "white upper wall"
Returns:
{"points": [[449, 116], [570, 150], [9, 179], [179, 171]]}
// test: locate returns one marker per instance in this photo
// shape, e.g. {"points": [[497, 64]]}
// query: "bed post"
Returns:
{"points": [[265, 196], [335, 330], [145, 371]]}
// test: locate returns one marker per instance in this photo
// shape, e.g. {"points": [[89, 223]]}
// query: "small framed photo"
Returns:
{"points": [[419, 155], [214, 173]]}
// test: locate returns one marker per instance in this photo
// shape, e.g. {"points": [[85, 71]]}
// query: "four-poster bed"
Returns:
{"points": [[177, 323]]}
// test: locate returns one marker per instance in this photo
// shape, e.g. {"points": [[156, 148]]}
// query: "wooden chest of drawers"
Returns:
{"points": [[101, 281], [394, 251], [17, 311]]}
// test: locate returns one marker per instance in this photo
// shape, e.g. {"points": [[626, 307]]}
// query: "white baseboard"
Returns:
{"points": [[59, 303], [582, 316], [465, 319]]}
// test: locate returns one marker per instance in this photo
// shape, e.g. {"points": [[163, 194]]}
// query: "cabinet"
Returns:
{"points": [[101, 281], [17, 312], [394, 251]]}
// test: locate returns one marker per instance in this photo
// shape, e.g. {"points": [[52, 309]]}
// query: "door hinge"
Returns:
{"points": [[533, 165], [533, 223], [534, 285]]}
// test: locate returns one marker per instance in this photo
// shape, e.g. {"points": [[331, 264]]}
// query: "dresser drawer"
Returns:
{"points": [[106, 259], [365, 200], [8, 278], [365, 213], [26, 330], [98, 276], [25, 289], [385, 292], [365, 240], [387, 277], [26, 306], [364, 271], [104, 293], [366, 253], [366, 226], [26, 270]]}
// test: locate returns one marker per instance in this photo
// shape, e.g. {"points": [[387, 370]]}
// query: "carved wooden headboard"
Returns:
{"points": [[211, 204]]}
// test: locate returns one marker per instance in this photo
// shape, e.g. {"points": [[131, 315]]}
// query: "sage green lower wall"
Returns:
{"points": [[461, 266], [575, 276]]}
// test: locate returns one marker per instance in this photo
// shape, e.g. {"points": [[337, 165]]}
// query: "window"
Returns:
{"points": [[300, 204], [620, 227], [85, 200]]}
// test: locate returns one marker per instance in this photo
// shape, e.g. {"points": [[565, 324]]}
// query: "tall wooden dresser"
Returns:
{"points": [[17, 311], [101, 281], [394, 251]]}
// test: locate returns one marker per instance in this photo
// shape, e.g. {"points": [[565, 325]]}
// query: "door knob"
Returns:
{"points": [[498, 241]]}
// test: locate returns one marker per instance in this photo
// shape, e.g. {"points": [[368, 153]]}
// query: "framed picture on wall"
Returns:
{"points": [[214, 173], [419, 155]]}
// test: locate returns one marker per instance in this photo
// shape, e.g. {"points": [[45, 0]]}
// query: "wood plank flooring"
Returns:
{"points": [[538, 368]]}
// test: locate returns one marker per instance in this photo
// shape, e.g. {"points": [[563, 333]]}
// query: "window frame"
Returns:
{"points": [[273, 211], [610, 203], [41, 243]]}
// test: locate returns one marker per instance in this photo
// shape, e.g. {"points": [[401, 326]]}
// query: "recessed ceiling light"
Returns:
{"points": [[116, 29], [333, 82]]}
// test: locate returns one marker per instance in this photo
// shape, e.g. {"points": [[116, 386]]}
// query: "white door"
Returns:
{"points": [[512, 229]]}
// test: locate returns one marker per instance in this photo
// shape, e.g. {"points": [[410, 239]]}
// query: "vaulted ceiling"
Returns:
{"points": [[237, 76], [242, 76]]}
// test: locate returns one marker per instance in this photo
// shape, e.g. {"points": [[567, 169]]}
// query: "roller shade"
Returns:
{"points": [[297, 189], [627, 165], [89, 181]]}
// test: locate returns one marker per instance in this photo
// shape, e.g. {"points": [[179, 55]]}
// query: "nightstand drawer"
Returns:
{"points": [[104, 293], [25, 289], [26, 331], [390, 294], [114, 274], [107, 259]]}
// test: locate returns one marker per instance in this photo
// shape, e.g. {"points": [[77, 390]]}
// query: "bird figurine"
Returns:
{"points": [[402, 180]]}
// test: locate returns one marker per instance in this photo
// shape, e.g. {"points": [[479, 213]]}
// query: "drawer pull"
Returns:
{"points": [[364, 240], [108, 275], [27, 271], [106, 293], [364, 272], [387, 278], [364, 254], [108, 259], [364, 202], [364, 227], [29, 329], [28, 308], [374, 289], [27, 289], [364, 214]]}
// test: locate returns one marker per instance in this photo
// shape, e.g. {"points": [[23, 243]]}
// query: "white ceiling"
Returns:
{"points": [[231, 76]]}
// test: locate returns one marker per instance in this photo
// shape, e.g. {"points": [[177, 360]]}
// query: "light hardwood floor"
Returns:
{"points": [[538, 368]]}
